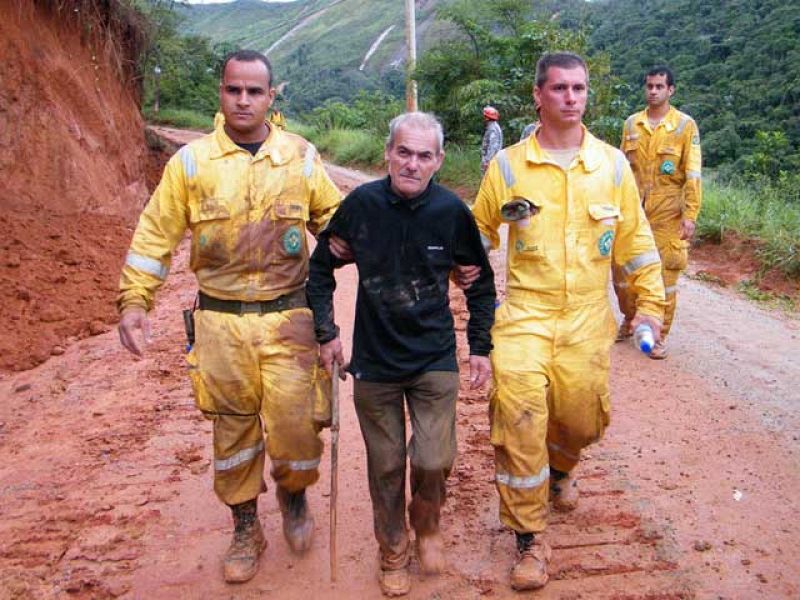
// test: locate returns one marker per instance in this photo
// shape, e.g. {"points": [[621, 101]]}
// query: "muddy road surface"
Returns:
{"points": [[106, 480]]}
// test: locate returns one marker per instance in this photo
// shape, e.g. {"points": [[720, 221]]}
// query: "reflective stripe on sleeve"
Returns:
{"points": [[189, 164], [643, 260], [682, 125], [668, 291], [308, 166], [147, 264], [487, 243], [621, 284], [298, 465], [619, 167], [532, 481], [505, 168], [241, 457], [693, 175]]}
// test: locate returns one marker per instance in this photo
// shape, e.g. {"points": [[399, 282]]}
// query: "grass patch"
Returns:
{"points": [[749, 288], [462, 170], [181, 118], [759, 212]]}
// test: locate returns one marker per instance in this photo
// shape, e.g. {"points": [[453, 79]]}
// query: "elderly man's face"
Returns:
{"points": [[413, 159]]}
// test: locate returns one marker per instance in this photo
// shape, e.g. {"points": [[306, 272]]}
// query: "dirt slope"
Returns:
{"points": [[72, 169], [105, 490]]}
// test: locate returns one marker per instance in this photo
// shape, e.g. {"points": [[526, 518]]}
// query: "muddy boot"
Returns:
{"points": [[530, 570], [563, 490], [393, 577], [298, 524], [625, 332], [241, 559], [430, 552], [659, 351]]}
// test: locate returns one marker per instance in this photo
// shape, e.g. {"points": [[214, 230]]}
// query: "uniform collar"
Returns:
{"points": [[589, 154], [274, 146], [670, 120]]}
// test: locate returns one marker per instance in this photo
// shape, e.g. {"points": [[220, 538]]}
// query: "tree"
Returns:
{"points": [[490, 58]]}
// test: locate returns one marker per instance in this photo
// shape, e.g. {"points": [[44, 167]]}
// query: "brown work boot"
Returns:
{"points": [[659, 351], [563, 490], [430, 552], [530, 570], [298, 524], [241, 559], [395, 582], [625, 331]]}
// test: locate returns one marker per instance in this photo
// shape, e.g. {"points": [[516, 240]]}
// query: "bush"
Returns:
{"points": [[766, 211], [182, 118]]}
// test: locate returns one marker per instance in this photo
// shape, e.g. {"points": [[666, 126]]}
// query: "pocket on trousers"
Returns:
{"points": [[323, 396], [202, 398], [675, 255]]}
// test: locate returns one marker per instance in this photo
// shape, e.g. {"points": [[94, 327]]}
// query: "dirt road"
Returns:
{"points": [[105, 482]]}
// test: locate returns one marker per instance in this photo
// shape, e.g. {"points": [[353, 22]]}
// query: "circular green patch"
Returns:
{"points": [[292, 240], [667, 167], [605, 242]]}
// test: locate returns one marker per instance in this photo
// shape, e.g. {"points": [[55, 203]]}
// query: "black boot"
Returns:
{"points": [[298, 524]]}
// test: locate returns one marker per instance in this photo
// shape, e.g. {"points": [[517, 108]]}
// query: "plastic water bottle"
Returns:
{"points": [[643, 338]]}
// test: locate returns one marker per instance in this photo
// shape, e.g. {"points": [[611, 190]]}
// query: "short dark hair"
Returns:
{"points": [[563, 60], [660, 70], [247, 56]]}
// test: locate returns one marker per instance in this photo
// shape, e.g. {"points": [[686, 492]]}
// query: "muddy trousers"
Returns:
{"points": [[674, 259], [431, 399], [257, 378], [550, 400]]}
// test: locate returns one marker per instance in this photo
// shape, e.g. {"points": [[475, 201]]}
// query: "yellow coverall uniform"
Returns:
{"points": [[667, 164], [251, 373], [552, 334]]}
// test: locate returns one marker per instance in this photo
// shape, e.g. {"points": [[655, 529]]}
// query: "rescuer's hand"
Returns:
{"points": [[654, 323], [134, 319], [340, 249], [480, 370], [465, 275], [331, 352], [687, 229]]}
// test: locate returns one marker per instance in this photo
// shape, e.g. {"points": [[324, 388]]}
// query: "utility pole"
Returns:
{"points": [[157, 98], [411, 61]]}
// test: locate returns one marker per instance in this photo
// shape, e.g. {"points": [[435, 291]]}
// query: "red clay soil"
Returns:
{"points": [[735, 261], [71, 164], [105, 482]]}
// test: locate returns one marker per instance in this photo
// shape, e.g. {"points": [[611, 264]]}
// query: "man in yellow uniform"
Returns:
{"points": [[248, 192], [663, 146], [572, 205]]}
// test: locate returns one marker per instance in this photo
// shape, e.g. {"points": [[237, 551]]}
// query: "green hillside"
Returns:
{"points": [[737, 64], [737, 61], [321, 57]]}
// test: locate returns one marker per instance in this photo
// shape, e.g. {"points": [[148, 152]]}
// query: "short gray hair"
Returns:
{"points": [[422, 120]]}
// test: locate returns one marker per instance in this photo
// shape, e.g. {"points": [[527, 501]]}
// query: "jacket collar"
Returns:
{"points": [[589, 154], [412, 203], [273, 147], [670, 121]]}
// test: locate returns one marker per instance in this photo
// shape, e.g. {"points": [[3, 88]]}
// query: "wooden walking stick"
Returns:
{"points": [[334, 462]]}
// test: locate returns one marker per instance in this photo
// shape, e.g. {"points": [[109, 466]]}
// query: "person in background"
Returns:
{"points": [[492, 136], [662, 145]]}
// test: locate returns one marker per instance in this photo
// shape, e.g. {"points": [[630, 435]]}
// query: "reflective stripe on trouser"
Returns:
{"points": [[255, 374], [550, 399], [431, 399]]}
